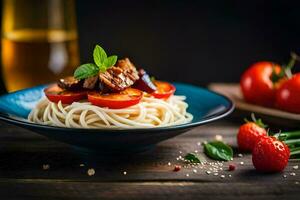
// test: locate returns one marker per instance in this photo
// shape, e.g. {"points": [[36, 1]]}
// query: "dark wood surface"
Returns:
{"points": [[23, 154]]}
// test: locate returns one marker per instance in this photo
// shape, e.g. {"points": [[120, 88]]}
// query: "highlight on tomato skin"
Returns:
{"points": [[124, 99], [55, 94], [163, 89]]}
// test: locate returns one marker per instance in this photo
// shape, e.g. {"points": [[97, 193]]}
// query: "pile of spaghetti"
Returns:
{"points": [[110, 93], [150, 112]]}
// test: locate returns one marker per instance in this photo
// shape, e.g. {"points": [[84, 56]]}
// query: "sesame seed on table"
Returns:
{"points": [[35, 167]]}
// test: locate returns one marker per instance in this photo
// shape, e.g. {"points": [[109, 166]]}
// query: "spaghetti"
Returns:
{"points": [[150, 112]]}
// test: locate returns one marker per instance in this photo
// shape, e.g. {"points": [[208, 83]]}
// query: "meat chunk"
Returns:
{"points": [[144, 83], [119, 77], [70, 83], [91, 82]]}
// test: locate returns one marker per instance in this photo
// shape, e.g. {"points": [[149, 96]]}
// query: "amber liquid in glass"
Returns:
{"points": [[34, 57]]}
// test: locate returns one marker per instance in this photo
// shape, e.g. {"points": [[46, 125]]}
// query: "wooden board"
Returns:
{"points": [[23, 154], [275, 116]]}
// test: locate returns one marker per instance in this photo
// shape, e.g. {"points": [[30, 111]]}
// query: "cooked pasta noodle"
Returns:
{"points": [[150, 112]]}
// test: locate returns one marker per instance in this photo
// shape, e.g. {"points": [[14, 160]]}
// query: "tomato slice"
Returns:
{"points": [[55, 94], [163, 90], [123, 99]]}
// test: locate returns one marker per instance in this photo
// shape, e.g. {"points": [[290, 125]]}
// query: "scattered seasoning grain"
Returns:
{"points": [[169, 163], [208, 172], [199, 143], [295, 167], [91, 172], [284, 176], [177, 168], [194, 170], [216, 174], [293, 174], [196, 151], [187, 175], [242, 163], [125, 173], [222, 176], [229, 175], [180, 152], [219, 137], [81, 165], [240, 155], [297, 183], [46, 166], [231, 167]]}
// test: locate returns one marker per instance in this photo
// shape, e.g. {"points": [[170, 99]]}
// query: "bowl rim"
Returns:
{"points": [[26, 124]]}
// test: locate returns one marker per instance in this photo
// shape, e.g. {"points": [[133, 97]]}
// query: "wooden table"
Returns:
{"points": [[34, 167]]}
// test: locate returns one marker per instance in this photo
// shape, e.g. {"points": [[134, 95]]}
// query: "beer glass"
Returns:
{"points": [[39, 42]]}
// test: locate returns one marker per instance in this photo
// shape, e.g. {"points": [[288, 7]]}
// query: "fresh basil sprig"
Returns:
{"points": [[101, 63], [217, 150]]}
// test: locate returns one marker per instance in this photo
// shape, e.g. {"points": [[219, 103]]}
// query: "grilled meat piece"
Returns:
{"points": [[91, 82], [119, 77], [70, 83], [144, 83]]}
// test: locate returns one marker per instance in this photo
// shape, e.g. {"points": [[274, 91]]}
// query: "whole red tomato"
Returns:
{"points": [[288, 95], [256, 83]]}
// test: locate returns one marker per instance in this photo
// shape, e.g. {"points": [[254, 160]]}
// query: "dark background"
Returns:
{"points": [[191, 41]]}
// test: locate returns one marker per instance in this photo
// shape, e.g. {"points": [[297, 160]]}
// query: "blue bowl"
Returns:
{"points": [[206, 106]]}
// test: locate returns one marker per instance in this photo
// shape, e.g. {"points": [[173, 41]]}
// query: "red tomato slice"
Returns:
{"points": [[124, 99], [55, 94], [163, 90]]}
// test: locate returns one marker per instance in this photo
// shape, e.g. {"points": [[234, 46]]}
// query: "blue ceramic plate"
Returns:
{"points": [[206, 106]]}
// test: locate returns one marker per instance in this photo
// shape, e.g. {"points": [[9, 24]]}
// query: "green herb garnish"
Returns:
{"points": [[194, 158], [258, 121], [101, 63], [217, 150]]}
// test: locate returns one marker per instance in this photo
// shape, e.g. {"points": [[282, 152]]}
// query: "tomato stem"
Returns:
{"points": [[290, 65], [258, 121]]}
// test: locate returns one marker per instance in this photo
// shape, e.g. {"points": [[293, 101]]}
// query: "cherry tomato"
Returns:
{"points": [[163, 90], [256, 84], [55, 94], [288, 95], [123, 99]]}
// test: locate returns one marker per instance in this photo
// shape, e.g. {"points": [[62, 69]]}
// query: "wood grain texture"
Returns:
{"points": [[23, 154]]}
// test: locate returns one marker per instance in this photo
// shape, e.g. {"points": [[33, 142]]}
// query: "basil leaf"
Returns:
{"points": [[194, 158], [99, 55], [102, 68], [110, 61], [85, 71], [218, 150]]}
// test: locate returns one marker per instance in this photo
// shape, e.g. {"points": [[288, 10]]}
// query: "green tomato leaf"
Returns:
{"points": [[110, 61], [194, 158], [86, 71], [217, 150], [99, 55]]}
